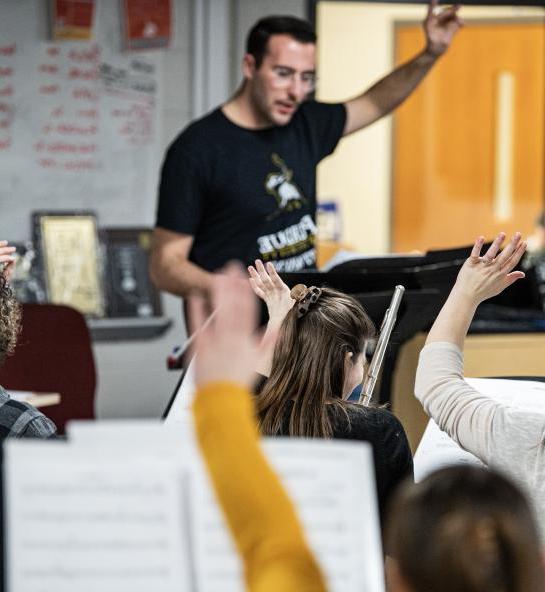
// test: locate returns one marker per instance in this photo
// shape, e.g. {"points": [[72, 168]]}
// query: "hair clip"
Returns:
{"points": [[311, 297], [298, 292]]}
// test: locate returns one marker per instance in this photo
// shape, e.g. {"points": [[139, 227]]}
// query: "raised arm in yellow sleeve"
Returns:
{"points": [[259, 512]]}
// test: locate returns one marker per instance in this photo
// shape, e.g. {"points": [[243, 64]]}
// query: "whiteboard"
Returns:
{"points": [[78, 121]]}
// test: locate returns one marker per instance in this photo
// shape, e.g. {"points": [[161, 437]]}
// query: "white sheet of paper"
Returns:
{"points": [[81, 515], [332, 484], [524, 394], [437, 449], [89, 522]]}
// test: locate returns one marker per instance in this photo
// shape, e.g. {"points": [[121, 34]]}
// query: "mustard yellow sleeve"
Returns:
{"points": [[260, 514]]}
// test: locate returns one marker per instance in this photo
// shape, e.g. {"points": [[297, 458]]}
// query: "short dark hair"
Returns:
{"points": [[258, 37]]}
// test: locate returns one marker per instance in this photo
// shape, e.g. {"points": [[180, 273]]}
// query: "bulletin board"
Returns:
{"points": [[78, 121]]}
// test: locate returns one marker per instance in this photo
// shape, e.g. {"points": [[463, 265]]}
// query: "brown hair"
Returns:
{"points": [[464, 528], [10, 317], [308, 365]]}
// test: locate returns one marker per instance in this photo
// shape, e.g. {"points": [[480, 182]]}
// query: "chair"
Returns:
{"points": [[54, 354]]}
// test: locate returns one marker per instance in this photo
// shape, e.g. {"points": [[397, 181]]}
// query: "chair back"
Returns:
{"points": [[54, 354]]}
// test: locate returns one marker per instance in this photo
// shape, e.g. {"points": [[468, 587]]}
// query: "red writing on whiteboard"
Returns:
{"points": [[5, 144], [8, 50], [82, 74], [80, 165], [57, 112], [6, 108], [6, 91], [70, 128], [48, 68], [6, 72], [85, 94], [5, 123], [47, 162], [90, 113], [53, 51], [64, 148], [49, 89], [85, 55]]}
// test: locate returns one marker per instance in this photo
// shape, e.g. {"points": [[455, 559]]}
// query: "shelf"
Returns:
{"points": [[127, 328]]}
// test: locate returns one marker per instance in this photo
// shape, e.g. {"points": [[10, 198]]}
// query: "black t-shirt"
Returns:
{"points": [[391, 451], [247, 194]]}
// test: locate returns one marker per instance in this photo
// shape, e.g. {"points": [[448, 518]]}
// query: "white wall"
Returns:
{"points": [[355, 48]]}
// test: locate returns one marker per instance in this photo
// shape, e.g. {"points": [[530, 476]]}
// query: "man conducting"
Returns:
{"points": [[240, 183]]}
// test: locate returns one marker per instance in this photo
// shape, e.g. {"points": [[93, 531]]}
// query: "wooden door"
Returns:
{"points": [[469, 145]]}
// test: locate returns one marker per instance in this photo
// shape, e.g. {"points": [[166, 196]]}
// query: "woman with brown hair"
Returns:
{"points": [[316, 362], [462, 528]]}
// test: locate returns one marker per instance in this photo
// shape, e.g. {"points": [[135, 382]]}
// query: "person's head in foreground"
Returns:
{"points": [[318, 360], [463, 529]]}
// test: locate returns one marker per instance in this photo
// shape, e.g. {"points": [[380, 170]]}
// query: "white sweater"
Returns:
{"points": [[509, 439]]}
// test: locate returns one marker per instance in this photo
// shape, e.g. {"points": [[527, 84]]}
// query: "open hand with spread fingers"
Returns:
{"points": [[226, 344], [267, 284], [484, 276], [7, 260], [440, 27]]}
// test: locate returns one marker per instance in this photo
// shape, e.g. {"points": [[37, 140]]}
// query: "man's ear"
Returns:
{"points": [[248, 66]]}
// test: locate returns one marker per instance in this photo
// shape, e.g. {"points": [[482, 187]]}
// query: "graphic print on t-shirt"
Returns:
{"points": [[278, 184], [292, 248]]}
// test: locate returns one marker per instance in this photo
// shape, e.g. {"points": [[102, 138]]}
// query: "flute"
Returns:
{"points": [[388, 323]]}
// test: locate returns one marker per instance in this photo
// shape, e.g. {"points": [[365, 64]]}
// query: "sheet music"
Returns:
{"points": [[437, 450], [333, 487], [524, 394], [81, 515], [77, 521]]}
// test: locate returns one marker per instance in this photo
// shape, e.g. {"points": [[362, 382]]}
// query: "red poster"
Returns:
{"points": [[147, 23], [72, 19]]}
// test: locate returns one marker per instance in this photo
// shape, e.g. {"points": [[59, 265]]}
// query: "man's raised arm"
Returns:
{"points": [[440, 27], [170, 268]]}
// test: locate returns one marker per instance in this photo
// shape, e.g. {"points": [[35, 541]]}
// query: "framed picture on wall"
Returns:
{"points": [[27, 281], [129, 290], [147, 24], [70, 253], [72, 20]]}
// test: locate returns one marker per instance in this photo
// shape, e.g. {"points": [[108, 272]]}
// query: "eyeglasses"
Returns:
{"points": [[284, 76]]}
